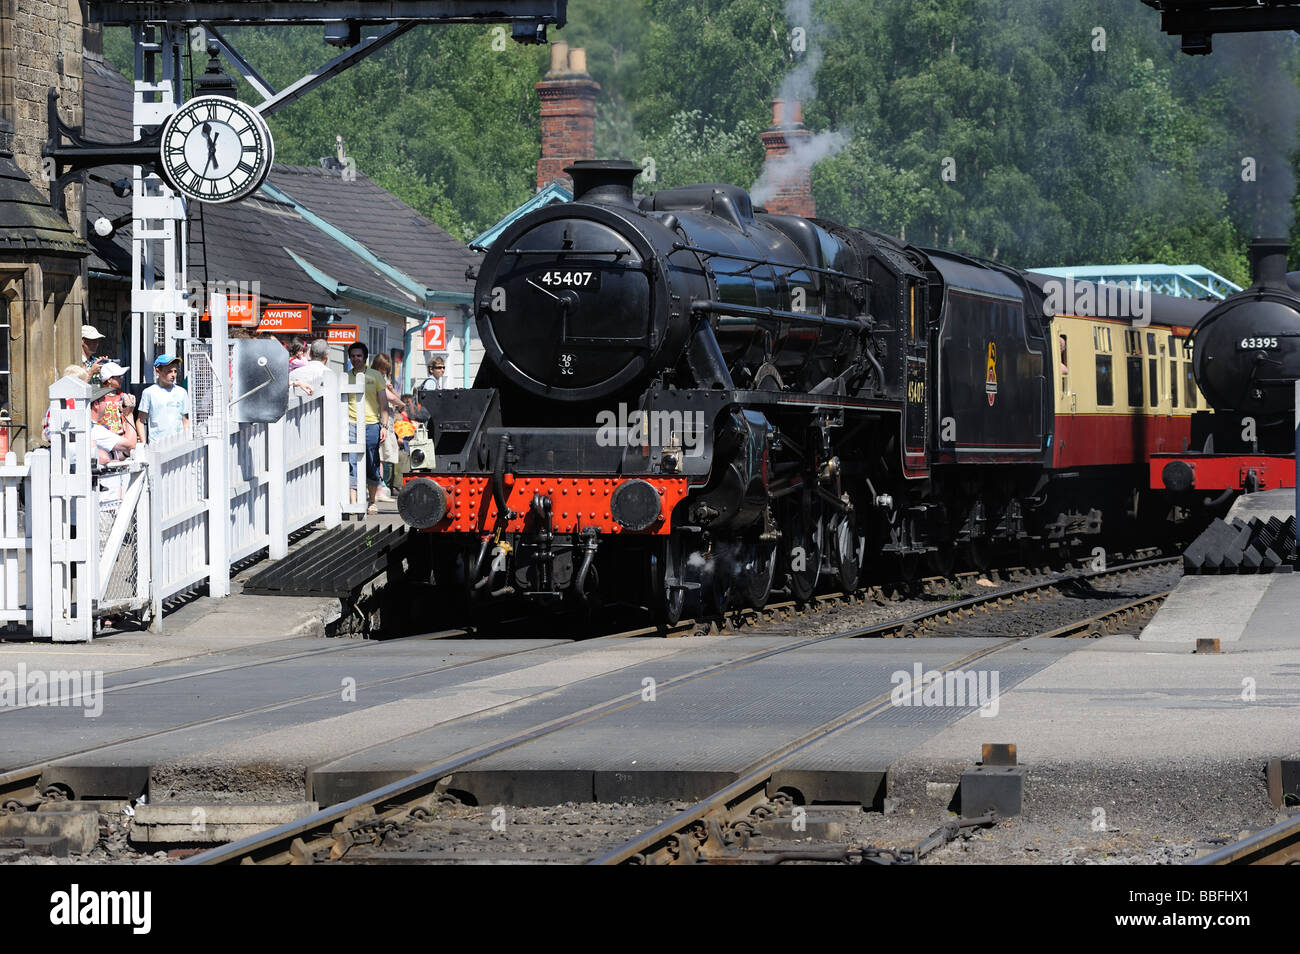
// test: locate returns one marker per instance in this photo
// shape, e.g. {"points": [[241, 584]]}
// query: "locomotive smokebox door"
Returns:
{"points": [[259, 381]]}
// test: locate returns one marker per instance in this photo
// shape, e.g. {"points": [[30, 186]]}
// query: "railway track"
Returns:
{"points": [[1278, 845], [20, 787], [712, 829]]}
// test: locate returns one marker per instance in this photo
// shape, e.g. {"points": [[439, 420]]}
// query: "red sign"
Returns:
{"points": [[435, 334], [284, 319], [339, 334], [239, 310]]}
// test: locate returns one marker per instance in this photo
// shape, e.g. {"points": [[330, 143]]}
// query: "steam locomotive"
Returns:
{"points": [[687, 403], [1246, 358]]}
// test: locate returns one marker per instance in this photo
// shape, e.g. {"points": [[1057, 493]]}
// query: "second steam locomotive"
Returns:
{"points": [[687, 403]]}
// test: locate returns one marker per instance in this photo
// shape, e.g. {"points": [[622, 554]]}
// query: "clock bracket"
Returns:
{"points": [[77, 154]]}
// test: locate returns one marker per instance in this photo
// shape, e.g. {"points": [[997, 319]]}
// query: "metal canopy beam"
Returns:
{"points": [[232, 12], [246, 69], [1178, 17], [336, 65]]}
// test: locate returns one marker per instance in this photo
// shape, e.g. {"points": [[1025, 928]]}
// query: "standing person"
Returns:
{"points": [[119, 413], [109, 445], [388, 450], [297, 353], [165, 406], [369, 410], [403, 426], [90, 339], [313, 372], [437, 368]]}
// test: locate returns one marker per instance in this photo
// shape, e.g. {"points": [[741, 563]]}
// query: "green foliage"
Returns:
{"points": [[1063, 153]]}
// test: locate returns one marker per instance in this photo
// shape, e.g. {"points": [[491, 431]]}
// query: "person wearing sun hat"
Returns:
{"points": [[164, 410], [90, 339], [120, 407], [109, 445]]}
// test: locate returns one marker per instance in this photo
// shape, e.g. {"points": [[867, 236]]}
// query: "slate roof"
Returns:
{"points": [[252, 239], [28, 226], [383, 223], [107, 119], [552, 193]]}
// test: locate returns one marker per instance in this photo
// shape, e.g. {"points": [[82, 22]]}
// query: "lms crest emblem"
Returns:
{"points": [[991, 375]]}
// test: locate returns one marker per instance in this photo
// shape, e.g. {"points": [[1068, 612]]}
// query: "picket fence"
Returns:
{"points": [[79, 542]]}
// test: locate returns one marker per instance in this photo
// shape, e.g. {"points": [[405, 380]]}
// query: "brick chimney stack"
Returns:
{"points": [[568, 95], [792, 179]]}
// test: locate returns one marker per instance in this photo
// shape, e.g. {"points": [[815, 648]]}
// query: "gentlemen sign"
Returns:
{"points": [[339, 334]]}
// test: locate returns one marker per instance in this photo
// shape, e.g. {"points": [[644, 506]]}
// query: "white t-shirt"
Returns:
{"points": [[165, 408], [104, 439], [312, 373]]}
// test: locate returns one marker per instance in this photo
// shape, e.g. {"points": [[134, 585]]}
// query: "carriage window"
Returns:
{"points": [[1134, 382], [1133, 366], [1189, 386], [1173, 383], [1153, 381], [1065, 363], [1105, 382]]}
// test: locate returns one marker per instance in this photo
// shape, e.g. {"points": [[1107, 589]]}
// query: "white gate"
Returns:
{"points": [[100, 541]]}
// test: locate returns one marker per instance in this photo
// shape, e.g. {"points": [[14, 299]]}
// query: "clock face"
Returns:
{"points": [[216, 149]]}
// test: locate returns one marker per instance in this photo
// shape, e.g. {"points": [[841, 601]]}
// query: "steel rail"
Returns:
{"points": [[276, 844], [1279, 845], [21, 785], [676, 829]]}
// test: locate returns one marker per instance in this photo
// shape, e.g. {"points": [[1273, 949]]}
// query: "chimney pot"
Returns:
{"points": [[559, 56], [568, 101]]}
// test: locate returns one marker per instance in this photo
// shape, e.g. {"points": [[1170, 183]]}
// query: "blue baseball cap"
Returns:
{"points": [[165, 359]]}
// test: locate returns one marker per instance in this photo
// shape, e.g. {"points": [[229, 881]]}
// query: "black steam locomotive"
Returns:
{"points": [[1246, 358], [687, 402]]}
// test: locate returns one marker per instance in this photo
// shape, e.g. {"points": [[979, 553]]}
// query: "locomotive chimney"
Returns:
{"points": [[789, 176], [1268, 262], [568, 95], [607, 181]]}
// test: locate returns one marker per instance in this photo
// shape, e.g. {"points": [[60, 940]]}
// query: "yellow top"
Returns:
{"points": [[374, 387]]}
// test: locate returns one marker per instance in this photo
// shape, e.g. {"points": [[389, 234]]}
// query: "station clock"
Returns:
{"points": [[216, 149]]}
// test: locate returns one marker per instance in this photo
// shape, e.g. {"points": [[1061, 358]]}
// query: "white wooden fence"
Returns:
{"points": [[176, 516]]}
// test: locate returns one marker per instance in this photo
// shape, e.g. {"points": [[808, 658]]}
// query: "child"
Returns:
{"points": [[164, 411]]}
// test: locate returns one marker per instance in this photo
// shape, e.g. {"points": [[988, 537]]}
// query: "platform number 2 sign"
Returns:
{"points": [[435, 334]]}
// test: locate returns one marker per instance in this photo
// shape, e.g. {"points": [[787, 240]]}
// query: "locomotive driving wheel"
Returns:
{"points": [[757, 573], [842, 551], [667, 594], [801, 552]]}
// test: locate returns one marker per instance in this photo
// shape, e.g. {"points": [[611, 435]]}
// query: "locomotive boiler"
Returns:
{"points": [[687, 403]]}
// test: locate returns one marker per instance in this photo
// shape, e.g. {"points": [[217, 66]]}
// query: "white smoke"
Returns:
{"points": [[800, 84], [803, 155]]}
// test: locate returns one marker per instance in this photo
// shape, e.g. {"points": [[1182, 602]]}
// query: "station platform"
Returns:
{"points": [[1232, 607]]}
